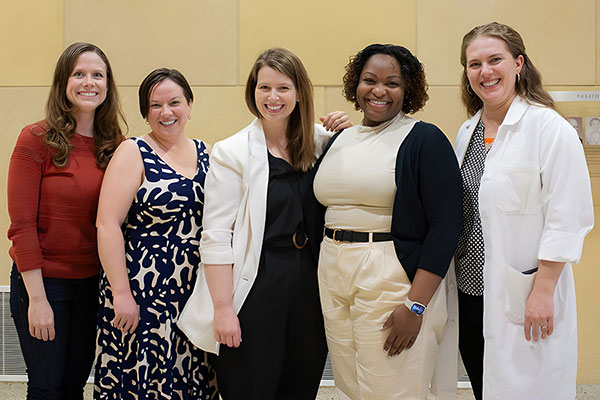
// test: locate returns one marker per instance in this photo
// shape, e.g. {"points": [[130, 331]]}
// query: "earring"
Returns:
{"points": [[470, 90], [147, 123], [189, 117], [518, 78]]}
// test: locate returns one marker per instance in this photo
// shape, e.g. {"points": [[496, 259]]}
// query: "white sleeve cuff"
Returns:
{"points": [[215, 247], [560, 247]]}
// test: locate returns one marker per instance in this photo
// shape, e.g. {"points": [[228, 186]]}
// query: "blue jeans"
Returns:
{"points": [[58, 369]]}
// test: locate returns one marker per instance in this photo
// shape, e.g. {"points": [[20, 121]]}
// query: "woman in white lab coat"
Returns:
{"points": [[527, 208]]}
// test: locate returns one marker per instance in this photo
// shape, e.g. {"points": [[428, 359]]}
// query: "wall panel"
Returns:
{"points": [[444, 109], [199, 37], [587, 276], [31, 41], [597, 42], [322, 33], [560, 37], [218, 113], [334, 101]]}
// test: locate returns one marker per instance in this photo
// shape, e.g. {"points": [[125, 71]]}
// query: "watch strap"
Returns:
{"points": [[415, 307]]}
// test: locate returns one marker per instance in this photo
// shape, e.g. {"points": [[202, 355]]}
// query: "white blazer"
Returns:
{"points": [[535, 203], [235, 206]]}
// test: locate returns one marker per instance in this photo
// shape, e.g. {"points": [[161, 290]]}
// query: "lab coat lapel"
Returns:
{"points": [[464, 137], [516, 111]]}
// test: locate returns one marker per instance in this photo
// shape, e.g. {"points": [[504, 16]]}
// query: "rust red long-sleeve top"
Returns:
{"points": [[53, 210]]}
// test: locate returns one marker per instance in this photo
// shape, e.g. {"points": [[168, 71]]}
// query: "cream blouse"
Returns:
{"points": [[356, 178]]}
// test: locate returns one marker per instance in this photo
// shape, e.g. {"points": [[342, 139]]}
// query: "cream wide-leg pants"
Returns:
{"points": [[360, 285]]}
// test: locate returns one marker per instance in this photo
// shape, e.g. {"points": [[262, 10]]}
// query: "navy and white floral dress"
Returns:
{"points": [[162, 233]]}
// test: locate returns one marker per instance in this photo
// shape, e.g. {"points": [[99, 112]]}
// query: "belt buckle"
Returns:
{"points": [[299, 247], [336, 241]]}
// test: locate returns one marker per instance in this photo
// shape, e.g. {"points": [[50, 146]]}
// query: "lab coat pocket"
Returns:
{"points": [[521, 190], [519, 287]]}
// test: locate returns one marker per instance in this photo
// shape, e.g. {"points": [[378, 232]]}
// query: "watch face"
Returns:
{"points": [[417, 309]]}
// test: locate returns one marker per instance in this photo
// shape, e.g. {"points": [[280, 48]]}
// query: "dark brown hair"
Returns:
{"points": [[413, 75], [59, 111], [529, 85], [300, 129], [154, 78]]}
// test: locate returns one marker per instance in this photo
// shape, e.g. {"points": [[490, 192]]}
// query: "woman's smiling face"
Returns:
{"points": [[87, 84], [492, 71], [169, 110], [275, 95], [380, 90]]}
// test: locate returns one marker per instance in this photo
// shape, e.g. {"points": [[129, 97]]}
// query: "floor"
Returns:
{"points": [[16, 391], [328, 393], [584, 392]]}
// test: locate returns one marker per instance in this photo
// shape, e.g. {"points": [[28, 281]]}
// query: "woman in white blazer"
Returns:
{"points": [[527, 208], [257, 302]]}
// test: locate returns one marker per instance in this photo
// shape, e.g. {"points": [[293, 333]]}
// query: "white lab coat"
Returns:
{"points": [[233, 223], [535, 203]]}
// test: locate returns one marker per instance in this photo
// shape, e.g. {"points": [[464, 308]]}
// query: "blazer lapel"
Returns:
{"points": [[258, 182]]}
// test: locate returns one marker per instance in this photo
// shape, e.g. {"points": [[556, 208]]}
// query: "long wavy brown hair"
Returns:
{"points": [[60, 117], [529, 85], [300, 130]]}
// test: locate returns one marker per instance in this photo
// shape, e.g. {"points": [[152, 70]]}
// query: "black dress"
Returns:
{"points": [[283, 347]]}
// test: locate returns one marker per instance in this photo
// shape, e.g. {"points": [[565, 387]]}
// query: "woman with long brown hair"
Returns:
{"points": [[256, 244], [54, 181], [527, 209]]}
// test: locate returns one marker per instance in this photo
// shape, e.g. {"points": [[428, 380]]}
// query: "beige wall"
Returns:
{"points": [[214, 42]]}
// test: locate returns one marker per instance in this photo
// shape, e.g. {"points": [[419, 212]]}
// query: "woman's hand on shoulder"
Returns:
{"points": [[335, 121], [227, 327], [404, 327], [127, 312]]}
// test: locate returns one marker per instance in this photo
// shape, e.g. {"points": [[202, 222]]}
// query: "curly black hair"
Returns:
{"points": [[412, 71]]}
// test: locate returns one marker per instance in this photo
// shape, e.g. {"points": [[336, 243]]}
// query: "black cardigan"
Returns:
{"points": [[427, 213], [427, 210]]}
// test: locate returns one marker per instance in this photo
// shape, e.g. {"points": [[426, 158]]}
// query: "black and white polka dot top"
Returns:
{"points": [[470, 249]]}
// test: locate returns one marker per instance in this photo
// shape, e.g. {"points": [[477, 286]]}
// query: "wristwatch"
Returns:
{"points": [[415, 307]]}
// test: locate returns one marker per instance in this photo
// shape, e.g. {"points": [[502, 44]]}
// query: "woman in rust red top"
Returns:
{"points": [[54, 181]]}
